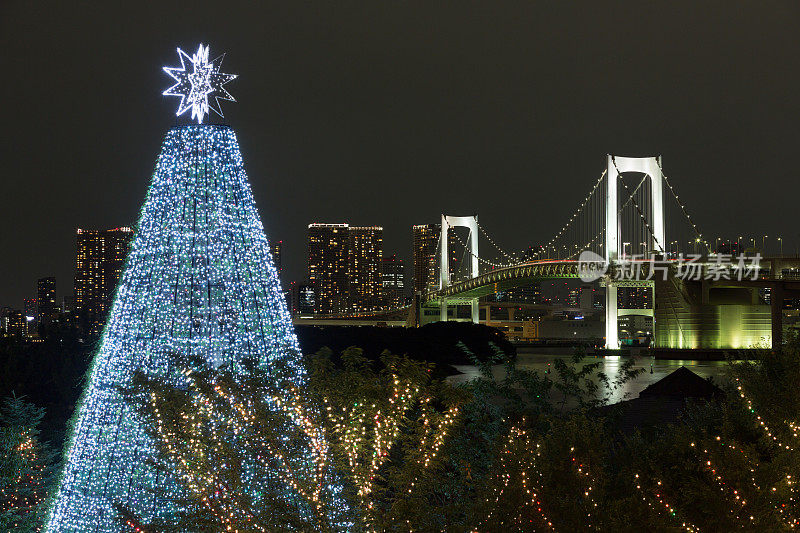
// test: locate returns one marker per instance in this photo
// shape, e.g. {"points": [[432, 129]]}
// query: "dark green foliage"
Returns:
{"points": [[26, 466], [534, 451]]}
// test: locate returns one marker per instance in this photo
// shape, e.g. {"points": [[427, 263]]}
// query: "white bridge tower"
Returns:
{"points": [[471, 223], [651, 166]]}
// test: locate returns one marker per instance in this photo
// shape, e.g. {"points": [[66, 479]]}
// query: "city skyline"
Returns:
{"points": [[481, 112]]}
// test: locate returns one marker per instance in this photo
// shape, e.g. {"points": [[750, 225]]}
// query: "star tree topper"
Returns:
{"points": [[201, 88]]}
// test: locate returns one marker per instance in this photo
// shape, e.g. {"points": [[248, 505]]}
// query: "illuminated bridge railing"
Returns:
{"points": [[513, 276], [505, 278]]}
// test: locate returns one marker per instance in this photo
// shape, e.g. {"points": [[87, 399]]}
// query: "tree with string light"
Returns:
{"points": [[246, 447], [390, 426], [741, 456], [26, 466], [257, 454]]}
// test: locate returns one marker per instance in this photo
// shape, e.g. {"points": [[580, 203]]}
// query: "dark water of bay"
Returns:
{"points": [[610, 365]]}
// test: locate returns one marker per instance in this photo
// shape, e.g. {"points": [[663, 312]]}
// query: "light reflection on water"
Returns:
{"points": [[610, 365]]}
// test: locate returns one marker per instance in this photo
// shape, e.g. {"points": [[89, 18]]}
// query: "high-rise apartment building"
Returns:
{"points": [[275, 248], [426, 259], [101, 258], [635, 298], [529, 294], [393, 275], [30, 309], [14, 323], [328, 265], [46, 302], [364, 270]]}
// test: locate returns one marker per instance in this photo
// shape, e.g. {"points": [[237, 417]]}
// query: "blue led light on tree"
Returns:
{"points": [[199, 281]]}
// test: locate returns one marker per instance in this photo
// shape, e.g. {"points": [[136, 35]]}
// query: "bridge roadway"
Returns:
{"points": [[505, 278], [501, 279]]}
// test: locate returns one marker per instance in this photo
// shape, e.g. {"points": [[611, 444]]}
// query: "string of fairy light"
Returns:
{"points": [[435, 434], [584, 474], [762, 423], [771, 435], [661, 504], [26, 491], [199, 281], [201, 472], [524, 466], [524, 472], [779, 507], [724, 487], [368, 433], [731, 493]]}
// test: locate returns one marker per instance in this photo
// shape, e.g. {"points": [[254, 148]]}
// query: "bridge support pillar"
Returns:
{"points": [[651, 166], [448, 222], [612, 318]]}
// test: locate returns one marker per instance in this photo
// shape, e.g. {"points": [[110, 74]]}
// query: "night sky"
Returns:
{"points": [[389, 113]]}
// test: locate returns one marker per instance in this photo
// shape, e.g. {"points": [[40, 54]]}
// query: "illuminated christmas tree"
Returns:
{"points": [[200, 282]]}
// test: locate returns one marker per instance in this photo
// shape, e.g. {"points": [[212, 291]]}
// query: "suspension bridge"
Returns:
{"points": [[631, 214]]}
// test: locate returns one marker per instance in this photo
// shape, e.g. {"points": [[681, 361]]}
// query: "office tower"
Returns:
{"points": [[46, 302], [302, 295], [30, 308], [635, 298], [573, 297], [4, 314], [14, 323], [101, 258], [529, 294], [393, 276], [68, 303], [426, 255], [581, 297], [275, 248], [364, 270], [328, 265]]}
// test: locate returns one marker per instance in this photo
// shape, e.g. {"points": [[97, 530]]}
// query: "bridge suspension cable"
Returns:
{"points": [[571, 250], [584, 230], [698, 234], [510, 256], [467, 250], [567, 226]]}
